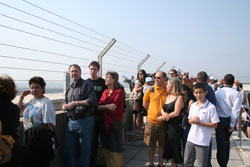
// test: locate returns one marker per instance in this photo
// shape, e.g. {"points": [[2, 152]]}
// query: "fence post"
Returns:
{"points": [[239, 127], [143, 61], [66, 82], [105, 50], [161, 66]]}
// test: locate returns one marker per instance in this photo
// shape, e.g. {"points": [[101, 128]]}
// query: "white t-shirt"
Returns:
{"points": [[39, 111], [198, 134]]}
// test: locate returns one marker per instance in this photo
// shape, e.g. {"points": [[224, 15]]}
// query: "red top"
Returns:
{"points": [[117, 98]]}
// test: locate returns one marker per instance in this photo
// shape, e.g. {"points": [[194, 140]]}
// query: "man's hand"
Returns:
{"points": [[64, 107], [71, 105]]}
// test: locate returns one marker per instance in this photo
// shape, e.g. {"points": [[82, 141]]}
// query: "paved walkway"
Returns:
{"points": [[136, 155]]}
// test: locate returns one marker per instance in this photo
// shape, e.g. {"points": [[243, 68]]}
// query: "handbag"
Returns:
{"points": [[135, 95]]}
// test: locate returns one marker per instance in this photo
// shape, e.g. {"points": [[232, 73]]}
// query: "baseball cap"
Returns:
{"points": [[149, 79]]}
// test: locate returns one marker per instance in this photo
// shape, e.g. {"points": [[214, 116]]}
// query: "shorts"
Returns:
{"points": [[154, 135]]}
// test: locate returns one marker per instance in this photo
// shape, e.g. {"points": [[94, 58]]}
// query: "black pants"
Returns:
{"points": [[223, 142]]}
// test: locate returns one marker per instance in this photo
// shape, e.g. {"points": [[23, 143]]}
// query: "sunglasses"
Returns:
{"points": [[157, 77]]}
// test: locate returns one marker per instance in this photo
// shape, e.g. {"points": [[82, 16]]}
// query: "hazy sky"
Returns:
{"points": [[192, 35]]}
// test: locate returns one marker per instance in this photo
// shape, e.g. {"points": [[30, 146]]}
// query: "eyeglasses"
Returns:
{"points": [[157, 77], [171, 73]]}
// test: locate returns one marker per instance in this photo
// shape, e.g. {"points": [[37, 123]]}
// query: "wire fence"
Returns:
{"points": [[40, 45]]}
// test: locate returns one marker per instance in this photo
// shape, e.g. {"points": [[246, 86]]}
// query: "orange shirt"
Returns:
{"points": [[156, 100]]}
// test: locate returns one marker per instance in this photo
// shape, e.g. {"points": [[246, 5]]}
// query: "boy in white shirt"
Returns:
{"points": [[203, 119]]}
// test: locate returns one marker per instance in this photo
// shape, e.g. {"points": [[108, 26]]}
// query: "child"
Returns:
{"points": [[149, 82], [203, 119]]}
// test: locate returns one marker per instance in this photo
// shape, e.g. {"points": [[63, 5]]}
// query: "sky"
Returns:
{"points": [[189, 35]]}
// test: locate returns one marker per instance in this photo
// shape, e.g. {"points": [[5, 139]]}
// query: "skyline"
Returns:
{"points": [[193, 36]]}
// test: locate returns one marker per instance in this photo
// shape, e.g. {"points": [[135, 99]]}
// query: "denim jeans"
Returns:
{"points": [[78, 138]]}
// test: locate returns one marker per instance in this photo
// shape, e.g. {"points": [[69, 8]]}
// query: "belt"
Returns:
{"points": [[75, 116]]}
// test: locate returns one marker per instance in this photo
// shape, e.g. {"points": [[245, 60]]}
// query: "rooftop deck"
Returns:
{"points": [[136, 154], [135, 151]]}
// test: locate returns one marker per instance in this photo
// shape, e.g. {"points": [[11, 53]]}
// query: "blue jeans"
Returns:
{"points": [[78, 138]]}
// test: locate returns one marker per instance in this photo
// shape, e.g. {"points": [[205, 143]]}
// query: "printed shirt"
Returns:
{"points": [[39, 111]]}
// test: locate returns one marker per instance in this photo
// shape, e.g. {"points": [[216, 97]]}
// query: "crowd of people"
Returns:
{"points": [[182, 113]]}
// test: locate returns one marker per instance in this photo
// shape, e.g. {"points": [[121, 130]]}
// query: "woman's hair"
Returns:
{"points": [[187, 82], [7, 87], [186, 88], [176, 86], [38, 80], [144, 76], [115, 77]]}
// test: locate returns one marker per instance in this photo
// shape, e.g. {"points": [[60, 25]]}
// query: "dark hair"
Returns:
{"points": [[174, 70], [186, 88], [240, 85], [7, 87], [76, 66], [115, 76], [229, 79], [199, 86], [202, 77], [95, 63], [38, 80], [144, 75]]}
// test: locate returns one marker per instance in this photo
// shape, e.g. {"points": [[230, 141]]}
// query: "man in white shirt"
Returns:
{"points": [[228, 108]]}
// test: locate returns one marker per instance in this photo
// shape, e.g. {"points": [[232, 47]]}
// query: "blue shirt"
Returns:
{"points": [[210, 94]]}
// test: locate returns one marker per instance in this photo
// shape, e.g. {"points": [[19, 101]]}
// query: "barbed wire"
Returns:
{"points": [[25, 22], [66, 19], [31, 69], [51, 22], [42, 51], [127, 56], [129, 51], [52, 39], [118, 65], [73, 22], [36, 60], [57, 54]]}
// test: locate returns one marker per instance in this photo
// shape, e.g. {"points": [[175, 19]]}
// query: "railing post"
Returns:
{"points": [[143, 61], [239, 126], [66, 82], [105, 50], [161, 66]]}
